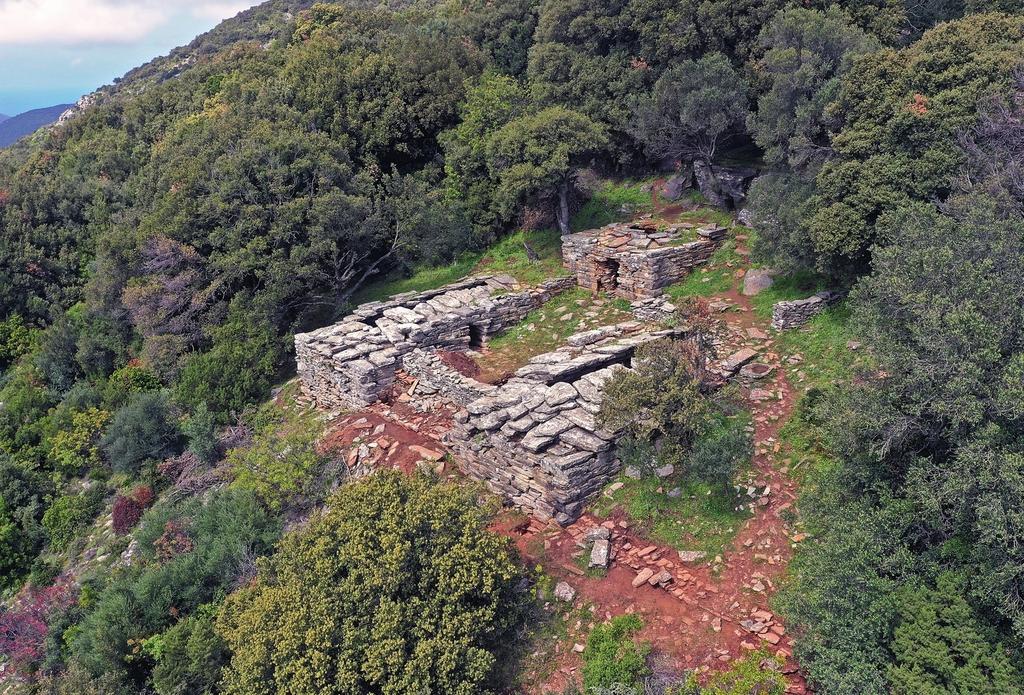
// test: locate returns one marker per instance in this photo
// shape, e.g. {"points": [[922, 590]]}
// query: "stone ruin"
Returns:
{"points": [[353, 363], [636, 260], [534, 438], [787, 315]]}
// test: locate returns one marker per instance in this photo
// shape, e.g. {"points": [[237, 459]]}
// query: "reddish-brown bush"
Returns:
{"points": [[174, 541], [127, 512], [23, 628], [143, 494]]}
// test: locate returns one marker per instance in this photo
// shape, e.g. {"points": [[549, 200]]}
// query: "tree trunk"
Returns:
{"points": [[562, 215]]}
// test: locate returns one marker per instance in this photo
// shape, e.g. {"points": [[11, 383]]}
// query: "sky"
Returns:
{"points": [[54, 51]]}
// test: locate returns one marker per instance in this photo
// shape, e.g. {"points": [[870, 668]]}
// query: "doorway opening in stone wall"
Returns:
{"points": [[476, 337], [607, 274]]}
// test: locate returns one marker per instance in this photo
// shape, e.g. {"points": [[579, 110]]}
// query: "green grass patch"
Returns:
{"points": [[421, 280], [786, 288], [716, 277], [614, 201], [509, 256], [546, 328], [701, 518], [506, 256], [826, 359], [703, 214]]}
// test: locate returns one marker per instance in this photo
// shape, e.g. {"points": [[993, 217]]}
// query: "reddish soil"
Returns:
{"points": [[392, 435], [460, 362]]}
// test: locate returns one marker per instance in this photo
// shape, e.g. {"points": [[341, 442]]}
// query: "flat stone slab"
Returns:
{"points": [[739, 358]]}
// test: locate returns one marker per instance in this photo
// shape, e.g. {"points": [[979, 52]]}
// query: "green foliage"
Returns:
{"points": [[68, 516], [695, 107], [218, 540], [940, 648], [16, 340], [76, 449], [758, 672], [534, 156], [410, 592], [236, 371], [901, 112], [491, 102], [613, 656], [200, 429], [143, 430], [612, 202], [22, 500], [661, 400], [127, 381], [191, 655], [280, 464], [805, 54]]}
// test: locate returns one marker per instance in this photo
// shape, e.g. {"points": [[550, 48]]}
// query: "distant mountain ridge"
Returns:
{"points": [[14, 128]]}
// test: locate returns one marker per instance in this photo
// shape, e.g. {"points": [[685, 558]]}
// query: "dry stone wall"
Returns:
{"points": [[535, 439], [353, 363], [635, 261], [786, 315], [434, 376]]}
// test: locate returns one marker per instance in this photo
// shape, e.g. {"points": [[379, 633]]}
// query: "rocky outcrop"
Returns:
{"points": [[786, 315], [724, 187], [353, 362], [536, 439], [633, 261]]}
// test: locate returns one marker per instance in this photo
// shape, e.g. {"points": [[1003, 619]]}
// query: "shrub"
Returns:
{"points": [[191, 656], [398, 587], [278, 466], [127, 381], [236, 371], [67, 516], [719, 454], [16, 340], [141, 431], [612, 656], [24, 626], [126, 513], [77, 448], [941, 647], [200, 429], [190, 553]]}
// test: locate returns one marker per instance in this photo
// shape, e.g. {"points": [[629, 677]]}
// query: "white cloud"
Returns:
{"points": [[74, 22], [220, 10]]}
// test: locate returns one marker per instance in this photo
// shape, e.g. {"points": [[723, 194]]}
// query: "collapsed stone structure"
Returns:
{"points": [[353, 363], [535, 439], [636, 260], [786, 315]]}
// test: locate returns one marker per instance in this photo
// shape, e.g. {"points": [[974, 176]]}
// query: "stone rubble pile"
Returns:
{"points": [[353, 363], [787, 315], [536, 439], [637, 259]]}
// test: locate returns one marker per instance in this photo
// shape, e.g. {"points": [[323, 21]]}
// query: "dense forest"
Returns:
{"points": [[159, 250]]}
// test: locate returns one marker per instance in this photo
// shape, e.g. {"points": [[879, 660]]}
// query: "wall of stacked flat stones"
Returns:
{"points": [[788, 315], [642, 273], [539, 446], [353, 363], [536, 439], [431, 371]]}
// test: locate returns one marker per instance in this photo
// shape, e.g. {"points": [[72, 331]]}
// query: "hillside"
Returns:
{"points": [[13, 128], [523, 347]]}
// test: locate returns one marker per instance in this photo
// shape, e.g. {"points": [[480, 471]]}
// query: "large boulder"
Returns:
{"points": [[724, 187], [676, 186], [757, 280]]}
